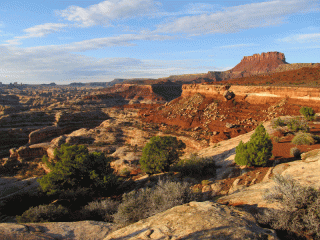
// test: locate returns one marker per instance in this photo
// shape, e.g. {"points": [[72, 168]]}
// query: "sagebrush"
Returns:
{"points": [[300, 208], [195, 166], [100, 210], [137, 205], [44, 213], [303, 139]]}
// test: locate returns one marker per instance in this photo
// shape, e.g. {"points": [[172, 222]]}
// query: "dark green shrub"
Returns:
{"points": [[137, 205], [100, 210], [159, 153], [296, 124], [295, 152], [308, 113], [257, 151], [44, 213], [195, 166], [242, 157], [303, 139], [316, 138], [78, 172], [300, 208]]}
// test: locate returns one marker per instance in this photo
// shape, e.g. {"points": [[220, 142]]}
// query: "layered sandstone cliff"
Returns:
{"points": [[257, 94]]}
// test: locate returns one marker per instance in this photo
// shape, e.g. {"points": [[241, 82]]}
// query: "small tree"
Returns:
{"points": [[159, 153], [308, 113], [77, 171], [257, 151]]}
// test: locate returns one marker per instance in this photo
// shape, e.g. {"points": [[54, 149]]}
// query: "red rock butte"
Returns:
{"points": [[251, 65], [260, 63]]}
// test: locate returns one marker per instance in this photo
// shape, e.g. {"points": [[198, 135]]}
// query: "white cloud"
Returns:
{"points": [[302, 38], [35, 65], [37, 31], [239, 45], [105, 12], [43, 30], [234, 19], [97, 43]]}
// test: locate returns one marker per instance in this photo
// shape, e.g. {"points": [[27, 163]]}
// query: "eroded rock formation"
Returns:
{"points": [[251, 65]]}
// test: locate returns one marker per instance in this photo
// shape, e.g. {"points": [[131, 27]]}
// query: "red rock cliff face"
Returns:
{"points": [[251, 65], [259, 63], [258, 94]]}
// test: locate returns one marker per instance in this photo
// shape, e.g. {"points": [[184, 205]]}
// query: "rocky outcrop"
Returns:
{"points": [[46, 133], [76, 119], [25, 153], [196, 220], [12, 186]]}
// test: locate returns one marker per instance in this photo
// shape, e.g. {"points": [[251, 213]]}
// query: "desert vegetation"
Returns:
{"points": [[159, 153], [299, 212], [257, 151], [75, 171]]}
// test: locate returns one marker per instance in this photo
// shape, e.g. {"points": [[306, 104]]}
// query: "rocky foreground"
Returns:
{"points": [[195, 220]]}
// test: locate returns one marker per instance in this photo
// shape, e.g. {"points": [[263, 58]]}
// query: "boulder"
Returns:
{"points": [[228, 95], [196, 220]]}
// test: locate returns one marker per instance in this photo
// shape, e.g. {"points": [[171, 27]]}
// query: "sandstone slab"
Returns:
{"points": [[84, 230], [196, 220]]}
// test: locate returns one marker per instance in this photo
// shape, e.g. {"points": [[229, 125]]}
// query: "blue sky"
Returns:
{"points": [[85, 41]]}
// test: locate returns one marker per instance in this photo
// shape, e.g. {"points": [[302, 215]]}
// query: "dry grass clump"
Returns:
{"points": [[303, 139], [195, 166], [44, 213], [100, 210], [137, 205], [300, 212]]}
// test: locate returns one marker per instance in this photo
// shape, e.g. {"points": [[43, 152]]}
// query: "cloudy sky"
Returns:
{"points": [[66, 41]]}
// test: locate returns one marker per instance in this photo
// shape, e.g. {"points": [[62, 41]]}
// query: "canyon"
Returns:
{"points": [[210, 112]]}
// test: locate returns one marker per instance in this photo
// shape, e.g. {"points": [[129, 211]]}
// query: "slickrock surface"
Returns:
{"points": [[85, 230], [196, 220]]}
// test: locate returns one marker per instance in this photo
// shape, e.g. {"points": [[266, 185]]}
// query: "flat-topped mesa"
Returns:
{"points": [[265, 56], [258, 63], [251, 65]]}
